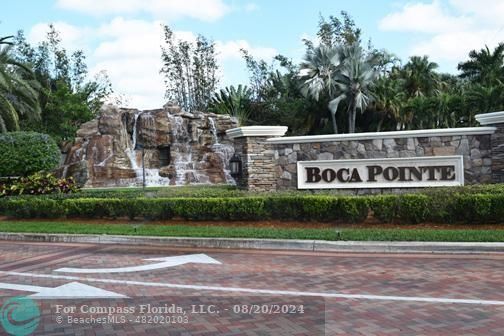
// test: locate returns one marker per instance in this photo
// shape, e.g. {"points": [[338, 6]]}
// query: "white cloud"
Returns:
{"points": [[206, 10], [130, 52], [251, 7], [72, 37], [454, 46], [449, 29], [424, 18], [489, 11], [231, 50]]}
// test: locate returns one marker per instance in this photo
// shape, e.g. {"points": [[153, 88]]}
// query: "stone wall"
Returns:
{"points": [[476, 150], [270, 160], [259, 164], [498, 154]]}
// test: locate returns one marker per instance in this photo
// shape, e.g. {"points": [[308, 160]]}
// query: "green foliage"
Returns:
{"points": [[319, 208], [38, 184], [25, 153], [234, 102], [66, 98], [189, 70], [18, 90]]}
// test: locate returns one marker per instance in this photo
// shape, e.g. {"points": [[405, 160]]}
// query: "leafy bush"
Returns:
{"points": [[25, 153], [38, 184], [416, 208]]}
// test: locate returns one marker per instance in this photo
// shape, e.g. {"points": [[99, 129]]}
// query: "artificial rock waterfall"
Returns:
{"points": [[178, 148]]}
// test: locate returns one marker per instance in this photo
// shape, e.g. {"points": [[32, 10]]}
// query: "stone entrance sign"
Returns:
{"points": [[417, 172]]}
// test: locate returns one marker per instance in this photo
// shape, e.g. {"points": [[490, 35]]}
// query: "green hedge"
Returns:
{"points": [[25, 153], [416, 208], [320, 208]]}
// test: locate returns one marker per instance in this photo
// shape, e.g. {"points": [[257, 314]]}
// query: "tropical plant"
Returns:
{"points": [[18, 95], [318, 74], [356, 76], [389, 99], [484, 66], [234, 102], [345, 74], [420, 76]]}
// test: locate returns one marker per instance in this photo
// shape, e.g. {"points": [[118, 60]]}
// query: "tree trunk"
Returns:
{"points": [[380, 124], [352, 109], [335, 126]]}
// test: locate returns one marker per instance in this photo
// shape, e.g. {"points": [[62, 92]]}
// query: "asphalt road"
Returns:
{"points": [[87, 289]]}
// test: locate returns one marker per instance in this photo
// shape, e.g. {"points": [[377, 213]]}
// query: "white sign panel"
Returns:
{"points": [[417, 172]]}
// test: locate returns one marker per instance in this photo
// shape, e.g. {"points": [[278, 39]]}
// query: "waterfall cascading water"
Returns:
{"points": [[213, 130], [182, 150], [224, 151], [130, 151], [178, 148], [188, 167]]}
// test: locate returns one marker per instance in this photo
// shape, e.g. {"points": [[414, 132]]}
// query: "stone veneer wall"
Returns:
{"points": [[259, 164], [476, 150], [498, 154]]}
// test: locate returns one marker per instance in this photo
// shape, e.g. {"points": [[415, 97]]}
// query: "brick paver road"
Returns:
{"points": [[260, 292]]}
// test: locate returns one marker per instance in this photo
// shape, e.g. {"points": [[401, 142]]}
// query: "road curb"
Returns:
{"points": [[263, 244]]}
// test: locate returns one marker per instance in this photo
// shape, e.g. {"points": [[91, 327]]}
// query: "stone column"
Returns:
{"points": [[496, 120], [257, 155]]}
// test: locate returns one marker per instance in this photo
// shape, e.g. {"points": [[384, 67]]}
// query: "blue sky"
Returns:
{"points": [[122, 37]]}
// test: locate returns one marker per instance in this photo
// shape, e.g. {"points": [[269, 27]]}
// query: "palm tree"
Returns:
{"points": [[234, 102], [484, 66], [18, 96], [318, 74], [389, 99], [483, 99], [420, 76], [354, 80], [345, 73]]}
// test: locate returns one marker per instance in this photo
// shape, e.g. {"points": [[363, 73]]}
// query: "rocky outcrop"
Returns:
{"points": [[177, 148]]}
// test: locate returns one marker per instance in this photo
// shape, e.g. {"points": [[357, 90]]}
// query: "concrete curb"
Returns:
{"points": [[264, 244]]}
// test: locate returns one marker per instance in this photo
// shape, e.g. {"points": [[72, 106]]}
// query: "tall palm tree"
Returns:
{"points": [[389, 99], [483, 99], [345, 73], [484, 66], [420, 76], [18, 96], [318, 75], [354, 80]]}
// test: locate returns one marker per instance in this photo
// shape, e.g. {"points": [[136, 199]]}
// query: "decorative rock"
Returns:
{"points": [[444, 151], [179, 148], [475, 154], [292, 157], [286, 176], [325, 156]]}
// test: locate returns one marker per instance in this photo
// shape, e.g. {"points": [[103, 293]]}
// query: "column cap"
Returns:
{"points": [[490, 118], [257, 131]]}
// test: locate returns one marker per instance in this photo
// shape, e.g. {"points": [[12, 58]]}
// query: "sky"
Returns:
{"points": [[123, 37]]}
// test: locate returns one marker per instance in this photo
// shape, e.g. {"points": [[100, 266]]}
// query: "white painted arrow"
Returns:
{"points": [[72, 290], [164, 263]]}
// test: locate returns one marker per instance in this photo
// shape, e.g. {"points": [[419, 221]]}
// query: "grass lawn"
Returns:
{"points": [[347, 234]]}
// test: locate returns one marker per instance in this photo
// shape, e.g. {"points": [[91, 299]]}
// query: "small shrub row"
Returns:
{"points": [[320, 208], [415, 208]]}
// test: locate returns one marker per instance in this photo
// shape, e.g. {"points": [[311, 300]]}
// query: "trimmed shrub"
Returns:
{"points": [[416, 208], [25, 153], [34, 208]]}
